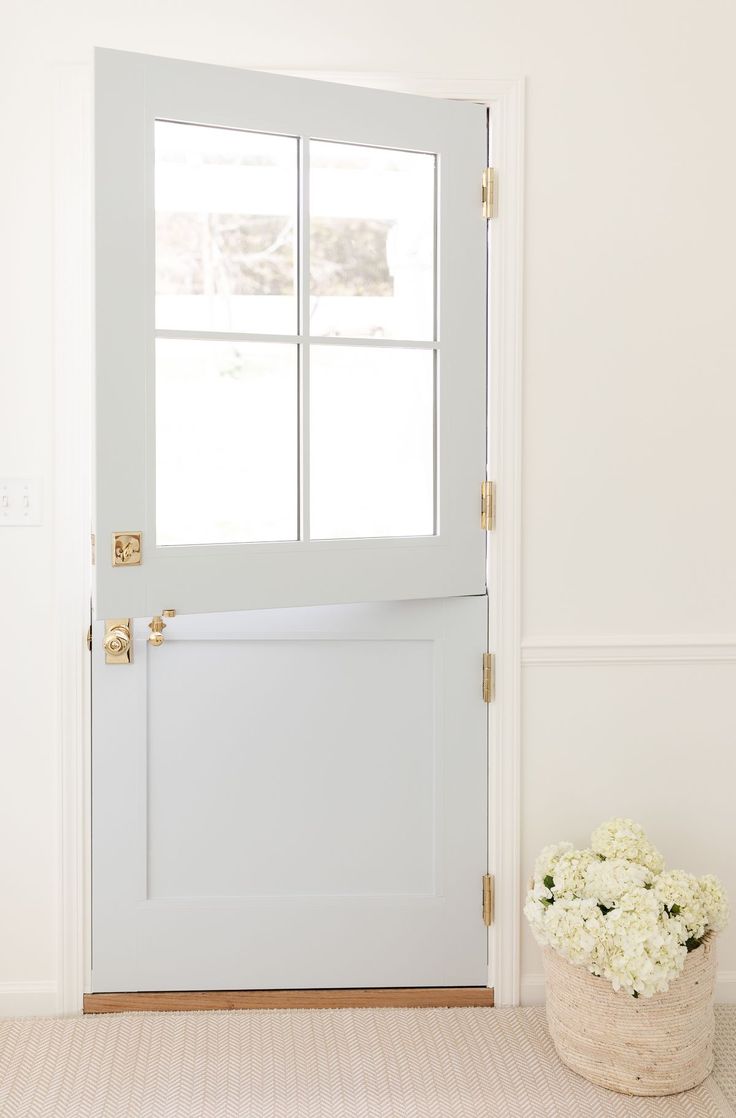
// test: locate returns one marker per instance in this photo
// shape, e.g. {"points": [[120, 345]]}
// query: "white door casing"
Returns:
{"points": [[292, 798], [132, 93]]}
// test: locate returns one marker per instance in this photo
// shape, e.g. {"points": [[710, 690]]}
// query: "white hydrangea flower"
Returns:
{"points": [[714, 901], [541, 892], [622, 838], [641, 952], [534, 911], [570, 870], [547, 860], [613, 910], [539, 895], [573, 926], [681, 894], [607, 881]]}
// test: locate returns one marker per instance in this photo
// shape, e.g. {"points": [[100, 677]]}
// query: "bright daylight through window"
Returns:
{"points": [[298, 359]]}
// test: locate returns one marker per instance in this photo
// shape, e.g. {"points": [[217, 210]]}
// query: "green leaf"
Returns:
{"points": [[675, 910], [549, 882]]}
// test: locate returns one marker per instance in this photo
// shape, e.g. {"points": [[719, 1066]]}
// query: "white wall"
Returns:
{"points": [[629, 398]]}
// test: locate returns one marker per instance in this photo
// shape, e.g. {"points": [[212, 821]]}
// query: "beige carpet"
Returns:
{"points": [[343, 1063]]}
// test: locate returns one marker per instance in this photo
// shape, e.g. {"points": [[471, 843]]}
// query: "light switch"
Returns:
{"points": [[20, 502]]}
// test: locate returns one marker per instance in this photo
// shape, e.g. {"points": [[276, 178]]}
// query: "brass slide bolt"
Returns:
{"points": [[157, 626]]}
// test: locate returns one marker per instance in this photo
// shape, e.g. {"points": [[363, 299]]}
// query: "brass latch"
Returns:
{"points": [[118, 644], [157, 626], [126, 549], [488, 899]]}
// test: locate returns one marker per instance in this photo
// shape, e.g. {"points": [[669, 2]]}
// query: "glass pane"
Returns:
{"points": [[371, 442], [226, 442], [225, 229], [372, 215]]}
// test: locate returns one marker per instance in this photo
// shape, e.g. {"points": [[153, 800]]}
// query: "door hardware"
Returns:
{"points": [[117, 643], [126, 549], [487, 899], [489, 677], [157, 626], [488, 505], [488, 193]]}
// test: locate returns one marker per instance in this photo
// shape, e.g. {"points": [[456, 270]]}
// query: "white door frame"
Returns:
{"points": [[73, 490]]}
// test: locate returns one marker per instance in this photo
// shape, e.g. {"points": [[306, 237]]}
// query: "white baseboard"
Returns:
{"points": [[726, 987], [532, 988], [28, 999]]}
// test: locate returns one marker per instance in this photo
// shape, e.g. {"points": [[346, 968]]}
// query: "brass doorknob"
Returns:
{"points": [[117, 640]]}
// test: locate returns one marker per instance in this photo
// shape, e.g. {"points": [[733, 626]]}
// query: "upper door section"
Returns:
{"points": [[290, 341]]}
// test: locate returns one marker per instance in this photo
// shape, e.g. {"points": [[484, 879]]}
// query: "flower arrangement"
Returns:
{"points": [[614, 909]]}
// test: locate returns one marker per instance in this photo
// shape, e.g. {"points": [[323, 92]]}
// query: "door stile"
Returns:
{"points": [[304, 298]]}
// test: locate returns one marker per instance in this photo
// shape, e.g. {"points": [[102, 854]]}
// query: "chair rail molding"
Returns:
{"points": [[629, 649]]}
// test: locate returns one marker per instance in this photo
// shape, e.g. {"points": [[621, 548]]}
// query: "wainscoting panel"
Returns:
{"points": [[639, 726]]}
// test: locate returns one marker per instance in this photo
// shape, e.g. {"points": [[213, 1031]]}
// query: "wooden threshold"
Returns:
{"points": [[180, 1000]]}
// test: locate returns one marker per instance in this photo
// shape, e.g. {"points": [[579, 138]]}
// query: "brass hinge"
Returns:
{"points": [[489, 677], [488, 193], [488, 505], [487, 899], [89, 639]]}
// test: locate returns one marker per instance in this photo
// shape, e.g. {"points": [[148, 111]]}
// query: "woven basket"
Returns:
{"points": [[637, 1046]]}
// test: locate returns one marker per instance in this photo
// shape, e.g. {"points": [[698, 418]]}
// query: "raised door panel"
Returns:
{"points": [[293, 798]]}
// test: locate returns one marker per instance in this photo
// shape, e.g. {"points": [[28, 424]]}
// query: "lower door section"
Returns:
{"points": [[292, 799]]}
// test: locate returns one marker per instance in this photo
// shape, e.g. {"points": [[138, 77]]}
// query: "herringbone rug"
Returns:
{"points": [[343, 1063]]}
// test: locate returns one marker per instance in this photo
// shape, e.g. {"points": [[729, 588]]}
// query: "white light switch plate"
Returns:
{"points": [[20, 501]]}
